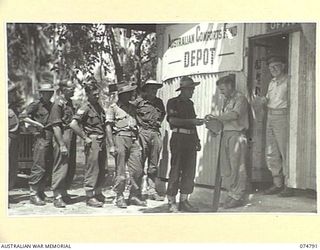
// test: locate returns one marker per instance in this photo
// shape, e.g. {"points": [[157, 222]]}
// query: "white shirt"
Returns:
{"points": [[277, 95]]}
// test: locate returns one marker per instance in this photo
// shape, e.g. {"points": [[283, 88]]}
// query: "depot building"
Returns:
{"points": [[208, 51]]}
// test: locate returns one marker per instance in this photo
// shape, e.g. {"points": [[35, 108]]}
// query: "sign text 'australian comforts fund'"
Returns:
{"points": [[202, 48]]}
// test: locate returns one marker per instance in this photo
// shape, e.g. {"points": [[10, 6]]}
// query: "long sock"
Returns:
{"points": [[183, 197]]}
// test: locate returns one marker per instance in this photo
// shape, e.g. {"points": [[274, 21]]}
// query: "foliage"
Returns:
{"points": [[74, 51]]}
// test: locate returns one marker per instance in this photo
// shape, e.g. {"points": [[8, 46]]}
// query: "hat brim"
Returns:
{"points": [[275, 58], [12, 88], [190, 86], [124, 90], [158, 85], [46, 90]]}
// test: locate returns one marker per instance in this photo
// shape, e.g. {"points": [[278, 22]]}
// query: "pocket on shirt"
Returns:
{"points": [[93, 119]]}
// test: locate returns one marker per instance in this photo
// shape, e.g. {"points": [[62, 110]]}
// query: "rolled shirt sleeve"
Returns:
{"points": [[32, 109], [55, 117], [81, 114], [110, 114]]}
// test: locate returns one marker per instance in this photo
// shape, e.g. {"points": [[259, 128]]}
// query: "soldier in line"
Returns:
{"points": [[150, 115], [64, 144], [13, 135], [184, 144], [233, 149], [37, 115], [125, 146], [91, 117]]}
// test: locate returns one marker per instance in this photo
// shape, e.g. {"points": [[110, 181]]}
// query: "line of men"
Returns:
{"points": [[131, 126], [59, 123]]}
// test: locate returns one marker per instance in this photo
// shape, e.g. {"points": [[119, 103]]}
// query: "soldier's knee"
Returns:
{"points": [[120, 178], [121, 152], [152, 171]]}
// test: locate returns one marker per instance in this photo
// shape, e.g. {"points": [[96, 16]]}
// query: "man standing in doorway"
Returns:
{"points": [[150, 114], [277, 127], [184, 144], [233, 148]]}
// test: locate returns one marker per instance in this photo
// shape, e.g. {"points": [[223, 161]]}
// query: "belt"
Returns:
{"points": [[184, 131], [277, 111], [99, 137], [126, 133]]}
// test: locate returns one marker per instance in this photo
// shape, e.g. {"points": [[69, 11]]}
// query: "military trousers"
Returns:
{"points": [[94, 176], [276, 147], [13, 158], [151, 147], [129, 154], [42, 162], [233, 152], [64, 165], [183, 164]]}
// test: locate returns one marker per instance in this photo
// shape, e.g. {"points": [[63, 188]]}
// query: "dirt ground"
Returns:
{"points": [[256, 202]]}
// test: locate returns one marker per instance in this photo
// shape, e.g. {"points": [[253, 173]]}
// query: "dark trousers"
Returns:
{"points": [[42, 162], [129, 153], [13, 158], [151, 147], [183, 164], [95, 166], [63, 165]]}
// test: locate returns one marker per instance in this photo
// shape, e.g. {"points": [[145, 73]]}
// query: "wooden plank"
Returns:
{"points": [[294, 43]]}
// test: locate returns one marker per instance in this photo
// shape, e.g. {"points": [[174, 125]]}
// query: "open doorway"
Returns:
{"points": [[259, 77]]}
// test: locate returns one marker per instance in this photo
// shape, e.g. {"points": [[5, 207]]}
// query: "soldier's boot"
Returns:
{"points": [[185, 206], [172, 205], [44, 197], [93, 202], [286, 192], [120, 202], [59, 203], [155, 196], [36, 200], [232, 203], [67, 199], [100, 197], [134, 200]]}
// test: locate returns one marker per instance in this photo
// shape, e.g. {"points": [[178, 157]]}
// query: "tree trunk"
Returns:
{"points": [[114, 55]]}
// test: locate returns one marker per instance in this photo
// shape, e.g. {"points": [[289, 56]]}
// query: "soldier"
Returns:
{"points": [[64, 144], [125, 146], [233, 148], [150, 114], [276, 101], [92, 118], [13, 126], [37, 115], [184, 144]]}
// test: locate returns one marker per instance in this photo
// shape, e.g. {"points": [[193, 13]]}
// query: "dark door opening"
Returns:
{"points": [[259, 77]]}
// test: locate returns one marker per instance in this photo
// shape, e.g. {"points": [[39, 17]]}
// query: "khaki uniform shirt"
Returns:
{"points": [[39, 111], [236, 103], [150, 113], [93, 120], [61, 113], [277, 95], [121, 117]]}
